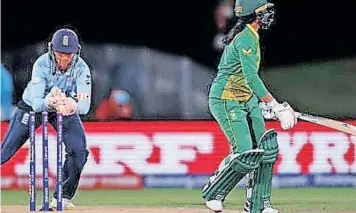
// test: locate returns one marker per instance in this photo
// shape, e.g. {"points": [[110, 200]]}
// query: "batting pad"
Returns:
{"points": [[230, 171], [250, 177], [262, 181]]}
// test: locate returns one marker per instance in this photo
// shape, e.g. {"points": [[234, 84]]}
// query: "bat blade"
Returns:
{"points": [[333, 124]]}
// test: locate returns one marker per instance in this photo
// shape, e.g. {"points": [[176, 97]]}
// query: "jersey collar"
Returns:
{"points": [[253, 31], [66, 73]]}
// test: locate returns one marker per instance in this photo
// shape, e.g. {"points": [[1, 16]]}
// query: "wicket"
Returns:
{"points": [[45, 175]]}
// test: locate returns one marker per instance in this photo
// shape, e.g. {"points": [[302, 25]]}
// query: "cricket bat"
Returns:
{"points": [[333, 124]]}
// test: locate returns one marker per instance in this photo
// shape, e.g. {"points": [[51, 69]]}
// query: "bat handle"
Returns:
{"points": [[298, 114]]}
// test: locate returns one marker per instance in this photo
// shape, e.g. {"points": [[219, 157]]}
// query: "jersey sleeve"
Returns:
{"points": [[38, 86], [246, 48], [84, 90]]}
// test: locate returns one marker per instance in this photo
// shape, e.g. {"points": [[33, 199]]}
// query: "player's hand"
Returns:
{"points": [[54, 98], [68, 107], [52, 102], [49, 102], [284, 113], [267, 112], [55, 92]]}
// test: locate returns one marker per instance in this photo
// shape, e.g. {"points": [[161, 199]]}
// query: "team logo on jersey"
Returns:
{"points": [[233, 115], [247, 51], [65, 41]]}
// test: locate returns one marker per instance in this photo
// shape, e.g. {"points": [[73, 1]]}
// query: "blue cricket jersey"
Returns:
{"points": [[75, 82]]}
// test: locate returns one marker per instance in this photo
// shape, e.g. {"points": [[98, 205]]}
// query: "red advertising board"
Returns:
{"points": [[121, 153]]}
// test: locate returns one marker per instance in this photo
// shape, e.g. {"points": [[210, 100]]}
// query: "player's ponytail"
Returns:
{"points": [[238, 27]]}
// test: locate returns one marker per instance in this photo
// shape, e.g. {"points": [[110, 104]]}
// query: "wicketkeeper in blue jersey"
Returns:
{"points": [[60, 82]]}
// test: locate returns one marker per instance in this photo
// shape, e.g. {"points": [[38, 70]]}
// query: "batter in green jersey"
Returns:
{"points": [[238, 99]]}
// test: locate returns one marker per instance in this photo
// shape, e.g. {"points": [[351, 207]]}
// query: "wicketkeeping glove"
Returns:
{"points": [[54, 98], [68, 107]]}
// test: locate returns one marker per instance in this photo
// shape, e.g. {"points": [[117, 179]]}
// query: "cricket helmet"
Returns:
{"points": [[263, 10], [65, 41]]}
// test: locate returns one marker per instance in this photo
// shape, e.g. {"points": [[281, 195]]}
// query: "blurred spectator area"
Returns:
{"points": [[166, 86], [161, 85], [6, 89], [223, 14], [117, 105]]}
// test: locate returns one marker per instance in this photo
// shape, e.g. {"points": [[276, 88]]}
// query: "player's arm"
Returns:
{"points": [[247, 50], [84, 91], [38, 86]]}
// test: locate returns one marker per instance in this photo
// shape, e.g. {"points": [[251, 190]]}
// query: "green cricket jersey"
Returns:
{"points": [[237, 78]]}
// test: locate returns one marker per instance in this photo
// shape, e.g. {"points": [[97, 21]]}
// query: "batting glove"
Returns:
{"points": [[267, 112], [284, 113]]}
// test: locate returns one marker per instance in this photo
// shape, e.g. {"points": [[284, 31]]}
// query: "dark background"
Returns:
{"points": [[304, 30]]}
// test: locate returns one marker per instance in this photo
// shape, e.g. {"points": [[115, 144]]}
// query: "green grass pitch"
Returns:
{"points": [[287, 200]]}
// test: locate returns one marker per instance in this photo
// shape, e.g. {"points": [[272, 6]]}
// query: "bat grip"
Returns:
{"points": [[298, 114]]}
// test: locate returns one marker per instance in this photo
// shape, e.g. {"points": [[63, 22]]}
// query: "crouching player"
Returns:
{"points": [[234, 102], [60, 82]]}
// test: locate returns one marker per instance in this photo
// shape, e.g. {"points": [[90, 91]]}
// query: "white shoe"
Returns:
{"points": [[247, 207], [66, 203], [214, 205], [270, 210]]}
